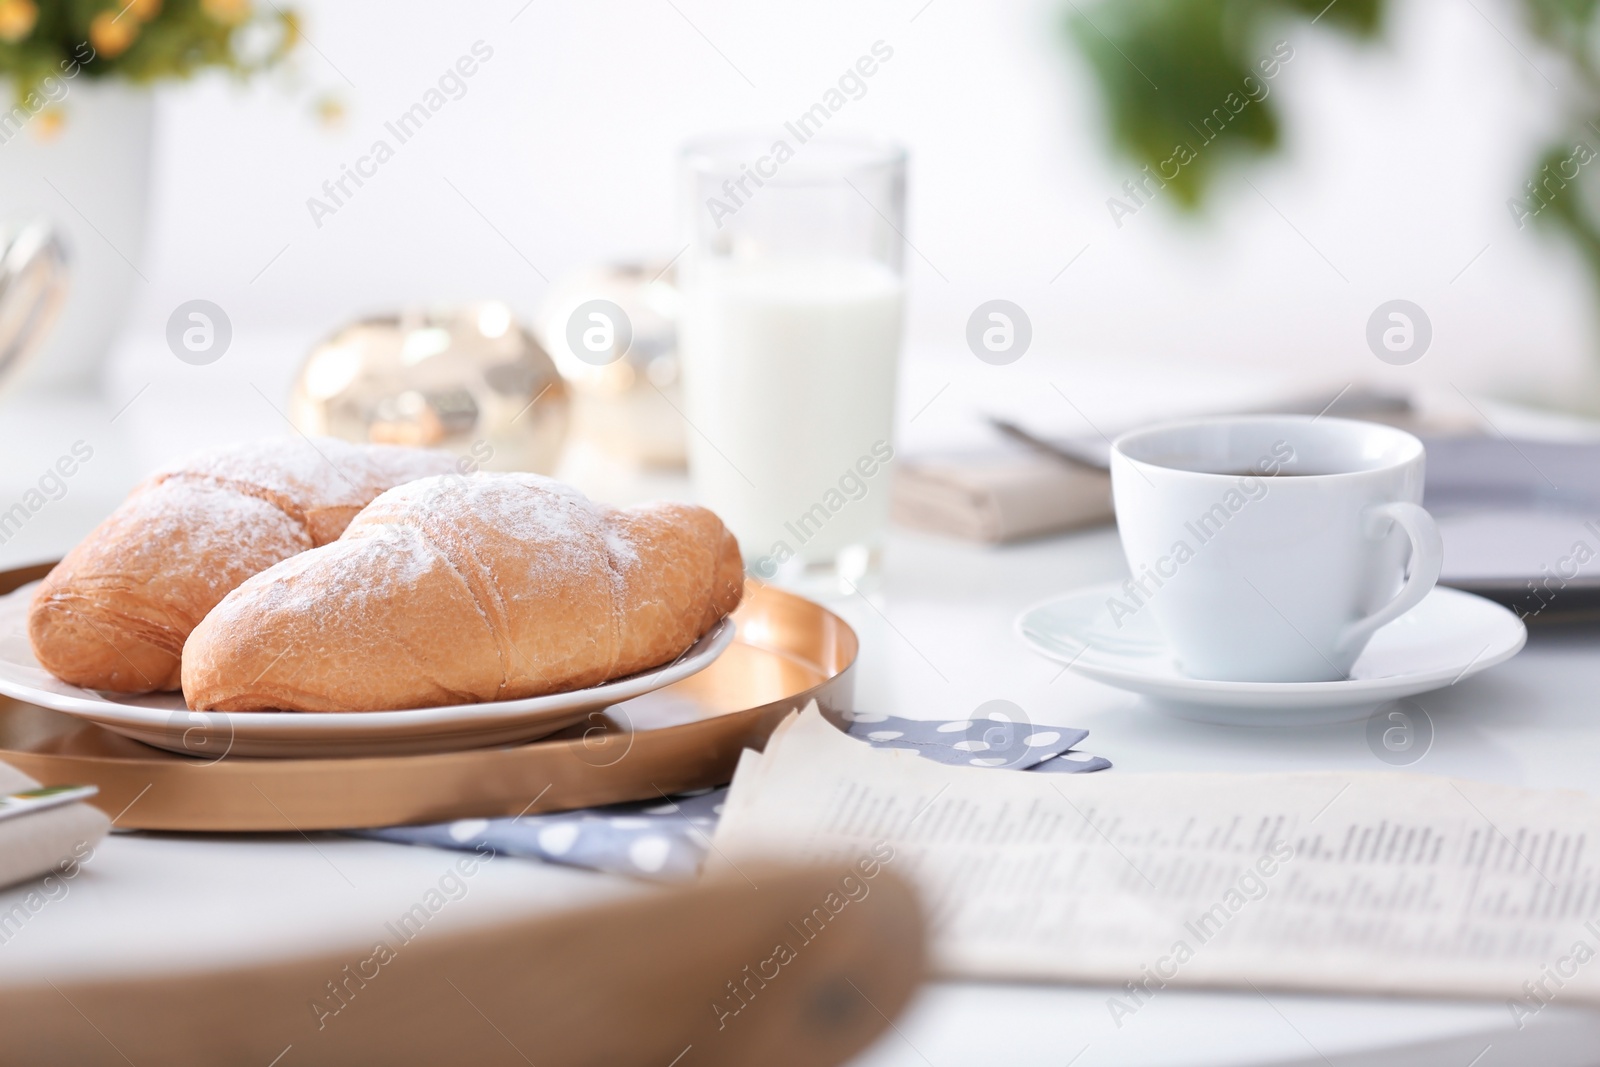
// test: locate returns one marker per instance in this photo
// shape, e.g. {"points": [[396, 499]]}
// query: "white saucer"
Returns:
{"points": [[162, 720], [1451, 635]]}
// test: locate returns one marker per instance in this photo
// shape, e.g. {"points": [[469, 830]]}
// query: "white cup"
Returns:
{"points": [[1270, 548]]}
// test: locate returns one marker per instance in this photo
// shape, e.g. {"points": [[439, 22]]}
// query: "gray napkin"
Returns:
{"points": [[663, 840], [1072, 763], [667, 839], [983, 741]]}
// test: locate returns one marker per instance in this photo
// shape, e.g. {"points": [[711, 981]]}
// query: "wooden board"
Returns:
{"points": [[667, 977]]}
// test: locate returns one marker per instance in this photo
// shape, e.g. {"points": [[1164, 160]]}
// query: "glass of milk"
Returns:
{"points": [[790, 333]]}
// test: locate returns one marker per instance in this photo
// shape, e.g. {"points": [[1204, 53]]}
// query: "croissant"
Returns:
{"points": [[114, 614], [467, 588]]}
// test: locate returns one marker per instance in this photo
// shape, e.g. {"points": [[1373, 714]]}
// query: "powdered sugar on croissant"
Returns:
{"points": [[114, 614], [467, 588]]}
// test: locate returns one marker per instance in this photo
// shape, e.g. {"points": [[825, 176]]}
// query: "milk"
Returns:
{"points": [[789, 379]]}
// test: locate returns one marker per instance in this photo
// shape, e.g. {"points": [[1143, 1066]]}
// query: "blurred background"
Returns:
{"points": [[1398, 133], [1397, 160]]}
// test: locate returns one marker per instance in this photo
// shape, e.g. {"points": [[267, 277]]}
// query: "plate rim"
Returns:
{"points": [[290, 725], [1339, 691]]}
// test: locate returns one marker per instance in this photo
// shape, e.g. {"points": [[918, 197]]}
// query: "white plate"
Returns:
{"points": [[1451, 635], [162, 720]]}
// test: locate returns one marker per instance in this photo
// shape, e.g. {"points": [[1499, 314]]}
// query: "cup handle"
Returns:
{"points": [[1427, 557]]}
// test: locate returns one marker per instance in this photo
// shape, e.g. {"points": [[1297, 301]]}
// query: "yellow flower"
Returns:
{"points": [[48, 123], [110, 35], [143, 10], [227, 12], [291, 32], [17, 18], [330, 111]]}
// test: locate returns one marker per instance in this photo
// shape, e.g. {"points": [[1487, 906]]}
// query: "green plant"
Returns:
{"points": [[1162, 65], [138, 40], [1568, 29]]}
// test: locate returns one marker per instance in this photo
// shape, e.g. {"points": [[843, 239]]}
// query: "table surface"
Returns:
{"points": [[937, 641]]}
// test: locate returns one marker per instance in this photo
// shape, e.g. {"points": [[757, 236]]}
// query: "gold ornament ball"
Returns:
{"points": [[471, 381], [630, 408]]}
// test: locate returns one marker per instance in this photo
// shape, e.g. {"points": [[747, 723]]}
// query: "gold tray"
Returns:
{"points": [[788, 652]]}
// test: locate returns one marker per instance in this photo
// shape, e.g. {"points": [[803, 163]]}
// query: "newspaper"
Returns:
{"points": [[1359, 882]]}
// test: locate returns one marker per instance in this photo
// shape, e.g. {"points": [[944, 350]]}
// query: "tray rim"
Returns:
{"points": [[676, 758]]}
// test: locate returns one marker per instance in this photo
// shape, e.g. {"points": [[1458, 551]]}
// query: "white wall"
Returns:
{"points": [[1399, 162]]}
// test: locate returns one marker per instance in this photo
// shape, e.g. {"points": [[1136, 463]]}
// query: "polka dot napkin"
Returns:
{"points": [[994, 740], [667, 839]]}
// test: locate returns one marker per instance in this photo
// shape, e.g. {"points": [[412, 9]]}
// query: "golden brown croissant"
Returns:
{"points": [[467, 588], [114, 614]]}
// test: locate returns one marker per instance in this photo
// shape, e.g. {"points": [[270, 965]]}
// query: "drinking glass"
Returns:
{"points": [[790, 333]]}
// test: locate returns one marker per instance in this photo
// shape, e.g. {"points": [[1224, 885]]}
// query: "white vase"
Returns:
{"points": [[91, 180]]}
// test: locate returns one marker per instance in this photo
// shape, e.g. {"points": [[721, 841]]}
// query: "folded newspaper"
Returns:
{"points": [[1340, 882]]}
